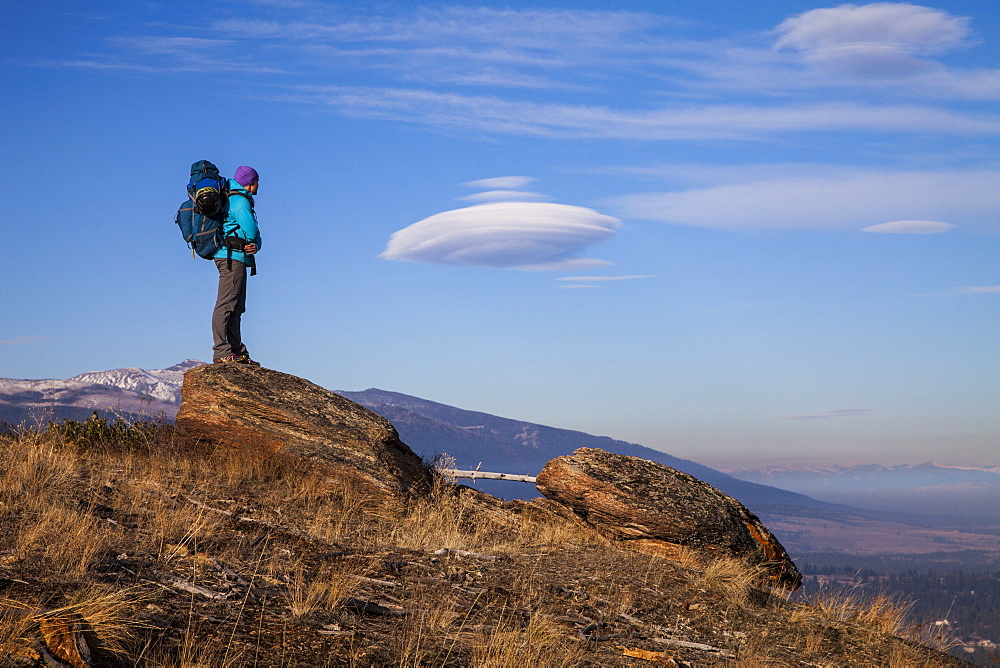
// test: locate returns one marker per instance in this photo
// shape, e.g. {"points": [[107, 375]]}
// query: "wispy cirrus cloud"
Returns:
{"points": [[22, 340], [573, 282], [837, 199], [967, 290], [832, 413], [451, 69], [495, 115], [558, 50], [503, 196], [909, 227], [164, 53], [506, 182], [890, 44], [601, 279], [558, 37]]}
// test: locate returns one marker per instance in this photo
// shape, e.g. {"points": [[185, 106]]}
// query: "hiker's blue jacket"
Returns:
{"points": [[240, 222]]}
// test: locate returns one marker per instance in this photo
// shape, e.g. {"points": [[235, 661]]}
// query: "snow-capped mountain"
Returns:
{"points": [[130, 392], [162, 384]]}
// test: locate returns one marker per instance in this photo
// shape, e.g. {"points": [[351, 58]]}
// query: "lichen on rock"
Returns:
{"points": [[660, 510], [241, 406]]}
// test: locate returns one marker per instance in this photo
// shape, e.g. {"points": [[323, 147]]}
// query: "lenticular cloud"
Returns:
{"points": [[878, 39], [520, 235], [909, 227]]}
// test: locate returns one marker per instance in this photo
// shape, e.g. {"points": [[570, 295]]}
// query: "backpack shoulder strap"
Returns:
{"points": [[242, 194]]}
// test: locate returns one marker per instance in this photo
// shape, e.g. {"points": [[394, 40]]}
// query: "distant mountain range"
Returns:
{"points": [[935, 489], [513, 446]]}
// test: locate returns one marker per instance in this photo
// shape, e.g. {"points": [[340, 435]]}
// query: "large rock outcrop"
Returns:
{"points": [[662, 511], [241, 406]]}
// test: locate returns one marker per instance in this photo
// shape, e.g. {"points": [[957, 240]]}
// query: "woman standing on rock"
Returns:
{"points": [[241, 231]]}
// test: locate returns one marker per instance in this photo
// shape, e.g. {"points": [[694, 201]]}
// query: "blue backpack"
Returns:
{"points": [[203, 216]]}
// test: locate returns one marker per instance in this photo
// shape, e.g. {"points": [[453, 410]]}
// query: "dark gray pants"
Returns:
{"points": [[229, 306]]}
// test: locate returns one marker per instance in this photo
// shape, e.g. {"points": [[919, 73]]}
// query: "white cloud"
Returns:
{"points": [[882, 39], [911, 27], [845, 200], [979, 290], [909, 227], [503, 196], [505, 182], [832, 413], [968, 290], [531, 34], [886, 47], [590, 281], [599, 279], [22, 340], [453, 112], [520, 235]]}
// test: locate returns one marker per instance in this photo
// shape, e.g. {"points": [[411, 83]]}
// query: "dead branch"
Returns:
{"points": [[192, 588], [384, 583], [464, 553], [694, 645], [369, 608], [486, 475]]}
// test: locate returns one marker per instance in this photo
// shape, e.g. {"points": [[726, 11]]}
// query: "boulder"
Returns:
{"points": [[242, 406], [662, 511]]}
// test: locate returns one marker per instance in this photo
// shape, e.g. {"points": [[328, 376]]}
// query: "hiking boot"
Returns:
{"points": [[237, 359]]}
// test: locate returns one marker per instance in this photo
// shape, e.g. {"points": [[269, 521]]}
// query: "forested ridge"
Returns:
{"points": [[963, 602]]}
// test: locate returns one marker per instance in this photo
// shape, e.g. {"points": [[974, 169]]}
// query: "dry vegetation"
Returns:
{"points": [[160, 555]]}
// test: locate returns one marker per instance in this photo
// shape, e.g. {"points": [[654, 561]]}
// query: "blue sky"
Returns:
{"points": [[735, 232]]}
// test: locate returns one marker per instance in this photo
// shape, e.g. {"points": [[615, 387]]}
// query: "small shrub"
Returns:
{"points": [[96, 431]]}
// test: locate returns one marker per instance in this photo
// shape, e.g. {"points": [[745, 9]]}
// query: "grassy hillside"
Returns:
{"points": [[156, 554]]}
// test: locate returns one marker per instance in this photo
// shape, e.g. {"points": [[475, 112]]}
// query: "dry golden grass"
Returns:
{"points": [[730, 577], [61, 539], [341, 512], [180, 510], [877, 612], [326, 588], [192, 653], [547, 532], [445, 519], [937, 637], [433, 615], [38, 468], [16, 624], [515, 643], [103, 615], [754, 652]]}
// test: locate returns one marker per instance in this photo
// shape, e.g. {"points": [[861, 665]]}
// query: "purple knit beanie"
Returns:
{"points": [[245, 176]]}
